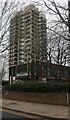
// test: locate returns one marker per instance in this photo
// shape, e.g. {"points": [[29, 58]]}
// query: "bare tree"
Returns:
{"points": [[57, 31], [7, 10], [58, 26], [57, 49], [58, 37]]}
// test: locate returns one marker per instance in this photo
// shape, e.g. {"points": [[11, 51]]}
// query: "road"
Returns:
{"points": [[8, 115], [0, 114]]}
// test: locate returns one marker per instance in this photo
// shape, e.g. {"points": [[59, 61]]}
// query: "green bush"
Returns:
{"points": [[5, 82], [38, 87]]}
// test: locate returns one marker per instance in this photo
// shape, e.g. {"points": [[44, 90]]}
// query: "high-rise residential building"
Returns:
{"points": [[28, 40]]}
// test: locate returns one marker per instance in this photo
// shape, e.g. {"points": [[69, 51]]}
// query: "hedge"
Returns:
{"points": [[38, 87], [5, 82]]}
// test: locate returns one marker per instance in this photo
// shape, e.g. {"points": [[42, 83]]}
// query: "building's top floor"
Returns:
{"points": [[31, 6], [26, 9]]}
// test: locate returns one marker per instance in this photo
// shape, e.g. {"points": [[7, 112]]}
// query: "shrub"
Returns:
{"points": [[38, 87], [5, 82]]}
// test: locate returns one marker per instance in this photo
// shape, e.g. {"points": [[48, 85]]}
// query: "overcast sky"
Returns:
{"points": [[59, 1]]}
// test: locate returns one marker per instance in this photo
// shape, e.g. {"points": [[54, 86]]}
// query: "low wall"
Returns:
{"points": [[50, 98]]}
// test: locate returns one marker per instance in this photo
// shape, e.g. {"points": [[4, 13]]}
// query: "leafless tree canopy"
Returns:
{"points": [[58, 34], [58, 38], [7, 10]]}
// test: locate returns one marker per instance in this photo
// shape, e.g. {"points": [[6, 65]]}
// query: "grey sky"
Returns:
{"points": [[59, 1]]}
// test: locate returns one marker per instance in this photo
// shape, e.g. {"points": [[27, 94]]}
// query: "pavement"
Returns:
{"points": [[38, 109]]}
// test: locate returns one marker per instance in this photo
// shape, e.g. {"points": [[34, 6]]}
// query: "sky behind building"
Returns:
{"points": [[59, 1]]}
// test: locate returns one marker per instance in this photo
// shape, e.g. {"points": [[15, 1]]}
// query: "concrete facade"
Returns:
{"points": [[28, 39]]}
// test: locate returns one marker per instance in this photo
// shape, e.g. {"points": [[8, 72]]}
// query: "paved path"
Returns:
{"points": [[54, 111]]}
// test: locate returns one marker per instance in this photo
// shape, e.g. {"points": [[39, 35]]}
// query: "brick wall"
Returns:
{"points": [[50, 98]]}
